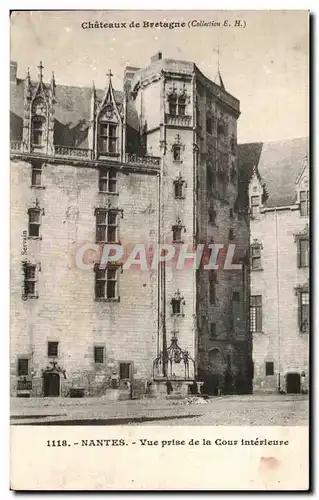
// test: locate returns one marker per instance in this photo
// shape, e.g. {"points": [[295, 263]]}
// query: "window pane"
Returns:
{"points": [[34, 216], [100, 289], [112, 185], [181, 109], [103, 129], [304, 253], [29, 287], [112, 130], [100, 274], [255, 201], [111, 274], [172, 108], [255, 251], [112, 218], [112, 145], [305, 298], [177, 232], [103, 144], [34, 230], [103, 186], [100, 217], [212, 293], [30, 272], [269, 368], [178, 190], [213, 330], [176, 306], [256, 263], [23, 366], [53, 349], [98, 354], [111, 234], [100, 233], [111, 289], [177, 153]]}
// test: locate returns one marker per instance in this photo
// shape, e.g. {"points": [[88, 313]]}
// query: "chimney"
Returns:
{"points": [[13, 71], [129, 73], [156, 57]]}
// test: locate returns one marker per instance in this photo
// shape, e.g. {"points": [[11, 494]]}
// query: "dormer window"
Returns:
{"points": [[107, 138], [37, 130]]}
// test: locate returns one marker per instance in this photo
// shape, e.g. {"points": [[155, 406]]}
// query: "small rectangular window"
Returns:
{"points": [[23, 366], [304, 203], [36, 175], [176, 306], [303, 252], [98, 354], [53, 349], [30, 280], [269, 368], [125, 369], [213, 331], [212, 287], [231, 234], [34, 223]]}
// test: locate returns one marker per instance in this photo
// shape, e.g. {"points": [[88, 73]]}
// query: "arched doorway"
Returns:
{"points": [[51, 384], [293, 382]]}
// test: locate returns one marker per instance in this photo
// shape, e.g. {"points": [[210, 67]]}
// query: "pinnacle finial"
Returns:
{"points": [[40, 67], [109, 74]]}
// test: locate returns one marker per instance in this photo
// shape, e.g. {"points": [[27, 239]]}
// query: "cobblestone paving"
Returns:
{"points": [[258, 409]]}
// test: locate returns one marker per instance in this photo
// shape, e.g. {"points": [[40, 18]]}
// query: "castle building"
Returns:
{"points": [[154, 164], [279, 244]]}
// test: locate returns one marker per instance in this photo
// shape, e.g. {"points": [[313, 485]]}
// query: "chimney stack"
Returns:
{"points": [[128, 76], [156, 57], [13, 71]]}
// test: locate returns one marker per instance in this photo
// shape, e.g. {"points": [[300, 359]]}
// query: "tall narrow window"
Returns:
{"points": [[256, 313], [53, 349], [304, 311], [37, 130], [269, 368], [304, 203], [181, 106], [23, 367], [30, 280], [256, 258], [303, 252], [107, 181], [212, 287], [98, 354], [106, 225], [236, 297], [176, 306], [209, 125], [177, 232], [36, 175], [231, 234], [107, 138], [254, 205], [34, 223], [106, 283], [213, 331], [172, 105]]}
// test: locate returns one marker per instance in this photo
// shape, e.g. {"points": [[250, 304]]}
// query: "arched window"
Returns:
{"points": [[38, 130]]}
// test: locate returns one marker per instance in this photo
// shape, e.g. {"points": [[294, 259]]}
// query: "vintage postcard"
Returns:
{"points": [[159, 171]]}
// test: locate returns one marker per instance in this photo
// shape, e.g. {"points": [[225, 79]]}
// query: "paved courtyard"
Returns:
{"points": [[257, 409]]}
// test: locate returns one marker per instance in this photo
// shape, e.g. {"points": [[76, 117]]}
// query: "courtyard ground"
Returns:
{"points": [[256, 409]]}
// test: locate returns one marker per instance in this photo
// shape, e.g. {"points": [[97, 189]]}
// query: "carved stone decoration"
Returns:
{"points": [[173, 363], [303, 233], [53, 367]]}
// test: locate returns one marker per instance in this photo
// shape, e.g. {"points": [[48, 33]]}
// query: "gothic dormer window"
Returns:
{"points": [[177, 304], [108, 127], [179, 187]]}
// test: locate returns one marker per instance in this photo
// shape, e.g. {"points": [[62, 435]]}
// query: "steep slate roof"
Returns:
{"points": [[278, 164], [72, 113]]}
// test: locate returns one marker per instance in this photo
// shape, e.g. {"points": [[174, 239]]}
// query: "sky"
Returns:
{"points": [[264, 64]]}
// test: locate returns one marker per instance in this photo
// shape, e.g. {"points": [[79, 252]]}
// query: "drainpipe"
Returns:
{"points": [[278, 292]]}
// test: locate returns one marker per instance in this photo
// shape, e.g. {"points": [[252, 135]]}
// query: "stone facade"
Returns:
{"points": [[279, 239], [159, 161]]}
